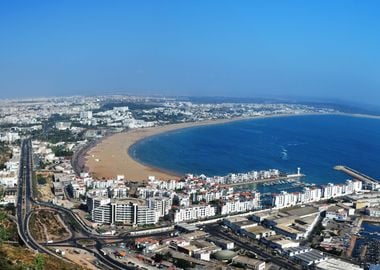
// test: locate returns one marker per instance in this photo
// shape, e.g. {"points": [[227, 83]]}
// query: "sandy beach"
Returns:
{"points": [[110, 157]]}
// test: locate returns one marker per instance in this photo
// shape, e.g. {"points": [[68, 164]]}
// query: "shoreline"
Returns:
{"points": [[111, 157]]}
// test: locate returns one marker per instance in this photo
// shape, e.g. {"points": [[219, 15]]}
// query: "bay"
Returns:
{"points": [[315, 143]]}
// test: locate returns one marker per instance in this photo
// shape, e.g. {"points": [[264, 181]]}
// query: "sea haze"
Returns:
{"points": [[314, 143]]}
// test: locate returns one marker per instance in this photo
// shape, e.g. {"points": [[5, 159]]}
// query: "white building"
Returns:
{"points": [[194, 213], [149, 192], [119, 192], [93, 202], [77, 189], [103, 183], [161, 204], [133, 213], [183, 199], [207, 196], [314, 194], [129, 212], [9, 176], [331, 191], [9, 137], [99, 209], [170, 185], [336, 213], [285, 199], [86, 115], [63, 125], [311, 195], [237, 206], [98, 192]]}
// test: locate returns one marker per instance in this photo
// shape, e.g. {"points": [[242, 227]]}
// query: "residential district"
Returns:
{"points": [[195, 221]]}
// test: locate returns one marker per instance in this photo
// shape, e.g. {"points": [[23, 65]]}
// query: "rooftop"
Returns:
{"points": [[301, 211], [258, 229], [247, 261], [310, 257], [334, 264], [288, 229], [195, 235], [245, 223], [224, 255]]}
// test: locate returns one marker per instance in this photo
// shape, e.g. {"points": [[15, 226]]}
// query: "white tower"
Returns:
{"points": [[299, 171]]}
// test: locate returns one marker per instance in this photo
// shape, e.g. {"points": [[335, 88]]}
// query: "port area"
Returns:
{"points": [[265, 180], [357, 175]]}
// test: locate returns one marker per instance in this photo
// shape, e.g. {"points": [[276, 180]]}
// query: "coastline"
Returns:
{"points": [[110, 156]]}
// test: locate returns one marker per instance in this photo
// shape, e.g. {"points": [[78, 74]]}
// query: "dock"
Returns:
{"points": [[357, 175]]}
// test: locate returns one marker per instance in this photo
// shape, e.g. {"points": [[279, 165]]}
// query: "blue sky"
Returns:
{"points": [[322, 49]]}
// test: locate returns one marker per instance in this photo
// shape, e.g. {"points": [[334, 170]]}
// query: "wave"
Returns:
{"points": [[284, 153]]}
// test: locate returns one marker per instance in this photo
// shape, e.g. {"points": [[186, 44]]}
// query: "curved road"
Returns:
{"points": [[24, 210]]}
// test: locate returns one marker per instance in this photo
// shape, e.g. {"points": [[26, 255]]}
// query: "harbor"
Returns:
{"points": [[266, 178], [268, 181], [367, 180]]}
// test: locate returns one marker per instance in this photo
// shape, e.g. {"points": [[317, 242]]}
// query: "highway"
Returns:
{"points": [[25, 200]]}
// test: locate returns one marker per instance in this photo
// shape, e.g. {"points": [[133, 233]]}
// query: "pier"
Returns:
{"points": [[357, 175]]}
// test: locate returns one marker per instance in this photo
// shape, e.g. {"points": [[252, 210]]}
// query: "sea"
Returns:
{"points": [[315, 143]]}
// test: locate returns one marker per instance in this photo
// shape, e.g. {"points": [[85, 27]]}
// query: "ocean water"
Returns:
{"points": [[368, 228], [314, 143]]}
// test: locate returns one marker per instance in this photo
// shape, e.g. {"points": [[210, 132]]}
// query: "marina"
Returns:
{"points": [[268, 181]]}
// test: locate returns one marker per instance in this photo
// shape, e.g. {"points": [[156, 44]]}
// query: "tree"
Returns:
{"points": [[39, 262], [41, 180], [3, 216], [4, 234]]}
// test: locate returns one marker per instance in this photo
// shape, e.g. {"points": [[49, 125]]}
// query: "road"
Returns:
{"points": [[23, 198], [25, 201]]}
